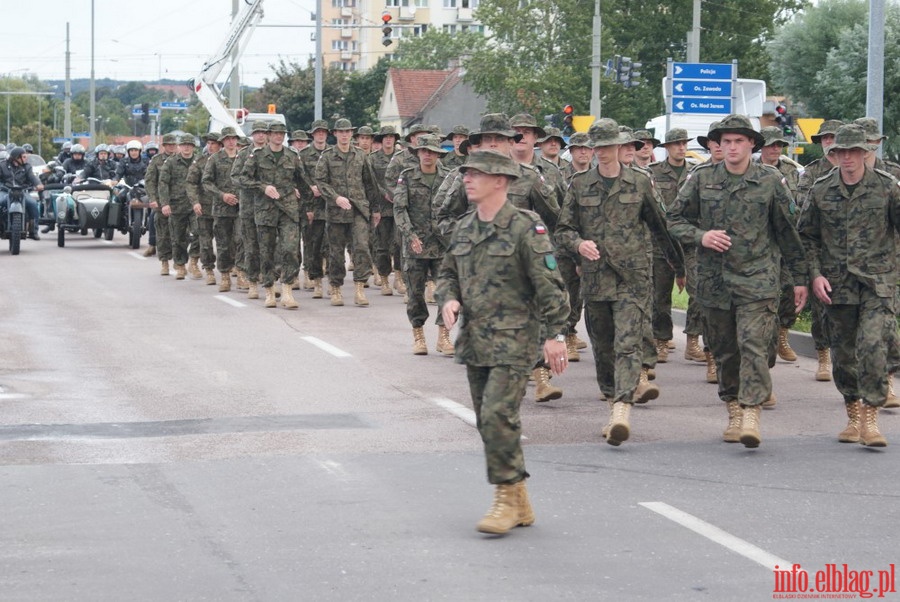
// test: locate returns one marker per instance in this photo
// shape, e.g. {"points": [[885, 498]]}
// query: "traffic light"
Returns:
{"points": [[568, 112], [623, 74], [785, 120], [634, 75], [386, 29], [145, 112]]}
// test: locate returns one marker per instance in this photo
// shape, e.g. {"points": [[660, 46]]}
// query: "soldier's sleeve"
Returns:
{"points": [[450, 203], [372, 188], [391, 174], [810, 227], [151, 180], [447, 286], [302, 179], [237, 167], [249, 178], [683, 217], [786, 234], [568, 228], [652, 214], [536, 252], [401, 208], [323, 179], [164, 184], [543, 199], [193, 187], [209, 181]]}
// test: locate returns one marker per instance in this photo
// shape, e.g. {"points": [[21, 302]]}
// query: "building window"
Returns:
{"points": [[451, 29], [468, 3], [421, 3], [420, 29], [449, 3]]}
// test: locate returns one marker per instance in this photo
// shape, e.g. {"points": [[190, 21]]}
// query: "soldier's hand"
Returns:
{"points": [[198, 209], [309, 216], [154, 205], [167, 211], [315, 191], [376, 219], [343, 202], [717, 240], [680, 283], [800, 296], [556, 356], [416, 245], [229, 198], [588, 250], [272, 192], [450, 312], [821, 287]]}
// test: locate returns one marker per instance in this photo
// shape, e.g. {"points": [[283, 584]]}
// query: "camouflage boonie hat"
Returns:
{"points": [[298, 135], [493, 163], [605, 132], [259, 126], [870, 125], [228, 131], [646, 137], [187, 139], [318, 124], [386, 130], [851, 136], [435, 130], [524, 120], [737, 124], [429, 142], [772, 135], [580, 139], [342, 125], [419, 128], [212, 137], [494, 123], [276, 127], [169, 139], [829, 126], [553, 133], [677, 135], [364, 131], [638, 144], [243, 141], [458, 130], [704, 140]]}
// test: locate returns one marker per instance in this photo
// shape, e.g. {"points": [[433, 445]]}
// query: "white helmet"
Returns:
{"points": [[133, 144], [101, 148], [77, 148]]}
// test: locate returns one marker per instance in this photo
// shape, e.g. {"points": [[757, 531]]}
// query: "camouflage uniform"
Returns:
{"points": [[851, 239], [738, 289], [452, 160], [197, 194], [151, 184], [247, 211], [412, 209], [217, 181], [386, 237], [504, 275], [173, 193], [277, 220], [314, 235]]}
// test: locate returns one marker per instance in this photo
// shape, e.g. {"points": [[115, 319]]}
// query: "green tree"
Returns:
{"points": [[435, 49], [362, 95], [293, 92]]}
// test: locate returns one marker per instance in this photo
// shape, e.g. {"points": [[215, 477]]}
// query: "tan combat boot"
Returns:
{"points": [[270, 297], [670, 344], [869, 434], [420, 347], [164, 268], [645, 391], [651, 374], [750, 436], [619, 429], [662, 351], [359, 298], [180, 272], [150, 251], [194, 269], [385, 285], [572, 348], [287, 298], [579, 344], [732, 433], [604, 432], [317, 288], [444, 344], [336, 297], [307, 283], [784, 347], [242, 283], [823, 371], [850, 434], [225, 282], [692, 350], [399, 285], [376, 279], [891, 401], [543, 390], [506, 512], [429, 293], [295, 285], [712, 374], [526, 512], [211, 277], [253, 290], [769, 404]]}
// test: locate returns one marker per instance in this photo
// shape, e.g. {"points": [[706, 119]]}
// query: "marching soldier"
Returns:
{"points": [[387, 248], [161, 222], [174, 202], [217, 181], [202, 203], [457, 136], [313, 207], [247, 207]]}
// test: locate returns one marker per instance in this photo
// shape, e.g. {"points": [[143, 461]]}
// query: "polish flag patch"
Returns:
{"points": [[540, 229]]}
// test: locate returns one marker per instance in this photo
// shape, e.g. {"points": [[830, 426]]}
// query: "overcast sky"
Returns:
{"points": [[143, 39]]}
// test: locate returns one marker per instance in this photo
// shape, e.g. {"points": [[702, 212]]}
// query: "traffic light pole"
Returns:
{"points": [[875, 67], [595, 63]]}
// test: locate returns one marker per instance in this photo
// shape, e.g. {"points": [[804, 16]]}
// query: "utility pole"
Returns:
{"points": [[875, 66], [693, 40], [67, 109], [317, 101], [234, 87], [595, 62], [93, 85]]}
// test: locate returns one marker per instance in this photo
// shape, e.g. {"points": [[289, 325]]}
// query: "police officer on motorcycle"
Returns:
{"points": [[101, 167], [15, 171], [76, 161]]}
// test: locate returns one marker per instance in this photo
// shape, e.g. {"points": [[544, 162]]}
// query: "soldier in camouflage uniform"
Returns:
{"points": [[313, 207], [523, 152], [202, 203], [174, 201], [247, 207], [609, 216], [351, 194], [644, 155], [151, 184], [736, 213], [404, 159], [218, 183], [421, 243], [277, 174], [850, 228], [385, 238], [582, 156], [500, 274], [298, 140], [457, 136], [551, 145], [363, 138]]}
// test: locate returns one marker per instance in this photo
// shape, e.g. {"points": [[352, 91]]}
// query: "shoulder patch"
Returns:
{"points": [[540, 229], [550, 261]]}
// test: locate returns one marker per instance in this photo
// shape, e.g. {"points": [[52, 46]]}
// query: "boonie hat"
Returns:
{"points": [[458, 130], [342, 125], [704, 140], [638, 144], [580, 139], [525, 120], [643, 135], [298, 135], [259, 126], [419, 128], [829, 126], [386, 130], [169, 139], [772, 135], [429, 142], [605, 132], [277, 127], [187, 139], [677, 135], [851, 136], [870, 125], [737, 124], [364, 131], [318, 124], [552, 132], [493, 163], [495, 123], [228, 132]]}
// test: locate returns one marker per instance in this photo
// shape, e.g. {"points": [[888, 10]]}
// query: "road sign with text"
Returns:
{"points": [[702, 88]]}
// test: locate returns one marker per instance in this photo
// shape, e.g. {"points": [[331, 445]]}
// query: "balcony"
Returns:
{"points": [[407, 13], [346, 55], [346, 12], [464, 14], [346, 32]]}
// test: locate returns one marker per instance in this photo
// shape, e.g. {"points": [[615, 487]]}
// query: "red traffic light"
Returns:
{"points": [[568, 109], [386, 17], [781, 109]]}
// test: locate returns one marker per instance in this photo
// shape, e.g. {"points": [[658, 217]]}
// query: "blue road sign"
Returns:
{"points": [[61, 140], [694, 87], [704, 71], [81, 134], [690, 104], [140, 112], [173, 105]]}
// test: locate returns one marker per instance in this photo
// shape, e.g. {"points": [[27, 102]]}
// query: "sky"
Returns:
{"points": [[141, 40]]}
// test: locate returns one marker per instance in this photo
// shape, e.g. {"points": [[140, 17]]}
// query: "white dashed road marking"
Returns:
{"points": [[229, 301], [137, 255], [326, 347]]}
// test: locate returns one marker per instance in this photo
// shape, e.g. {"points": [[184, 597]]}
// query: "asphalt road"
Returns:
{"points": [[160, 441]]}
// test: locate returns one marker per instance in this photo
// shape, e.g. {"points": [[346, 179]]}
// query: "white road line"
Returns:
{"points": [[326, 347], [713, 533], [335, 469], [137, 255], [5, 396], [229, 301], [465, 414]]}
